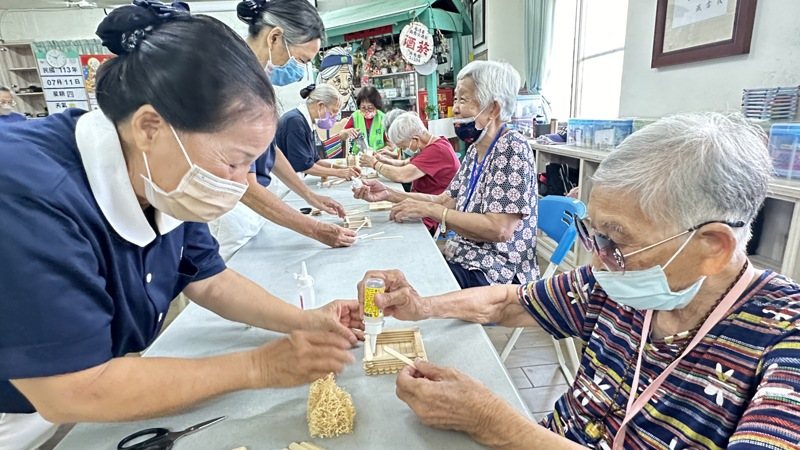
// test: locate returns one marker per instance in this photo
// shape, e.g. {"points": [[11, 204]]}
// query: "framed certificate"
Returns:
{"points": [[696, 30]]}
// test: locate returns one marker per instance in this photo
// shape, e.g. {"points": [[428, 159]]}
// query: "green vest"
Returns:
{"points": [[375, 134]]}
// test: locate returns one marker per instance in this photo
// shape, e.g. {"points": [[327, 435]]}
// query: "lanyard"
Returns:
{"points": [[635, 404], [474, 177]]}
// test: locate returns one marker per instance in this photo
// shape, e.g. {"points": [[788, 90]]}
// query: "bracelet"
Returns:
{"points": [[377, 168], [443, 222], [375, 163]]}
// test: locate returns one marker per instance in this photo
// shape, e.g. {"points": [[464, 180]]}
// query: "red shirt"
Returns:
{"points": [[440, 164]]}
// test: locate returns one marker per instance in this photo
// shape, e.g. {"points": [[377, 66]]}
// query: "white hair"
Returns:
{"points": [[389, 118], [692, 168], [325, 94], [494, 81], [405, 127]]}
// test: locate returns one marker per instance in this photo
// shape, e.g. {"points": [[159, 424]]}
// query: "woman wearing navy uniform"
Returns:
{"points": [[102, 227]]}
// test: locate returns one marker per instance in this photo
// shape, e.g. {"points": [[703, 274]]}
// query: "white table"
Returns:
{"points": [[272, 418]]}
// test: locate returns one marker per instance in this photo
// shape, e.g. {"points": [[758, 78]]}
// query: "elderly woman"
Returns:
{"points": [[670, 308], [297, 137], [7, 104], [491, 202], [103, 225], [429, 171], [284, 35]]}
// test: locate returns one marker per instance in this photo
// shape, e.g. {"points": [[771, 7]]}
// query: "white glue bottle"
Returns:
{"points": [[305, 288]]}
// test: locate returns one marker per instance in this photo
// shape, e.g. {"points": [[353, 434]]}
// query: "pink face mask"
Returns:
{"points": [[369, 115]]}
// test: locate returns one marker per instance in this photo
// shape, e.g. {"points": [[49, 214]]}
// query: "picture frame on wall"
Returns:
{"points": [[697, 30], [478, 23]]}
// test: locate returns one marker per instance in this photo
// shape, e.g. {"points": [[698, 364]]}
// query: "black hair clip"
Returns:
{"points": [[252, 8], [163, 10]]}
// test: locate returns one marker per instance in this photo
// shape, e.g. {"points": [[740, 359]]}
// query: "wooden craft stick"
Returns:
{"points": [[311, 446], [361, 226], [370, 236], [398, 355]]}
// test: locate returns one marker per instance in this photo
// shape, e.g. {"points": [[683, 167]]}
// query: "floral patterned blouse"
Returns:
{"points": [[507, 185]]}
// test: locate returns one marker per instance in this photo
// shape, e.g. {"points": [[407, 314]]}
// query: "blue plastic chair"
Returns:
{"points": [[557, 222]]}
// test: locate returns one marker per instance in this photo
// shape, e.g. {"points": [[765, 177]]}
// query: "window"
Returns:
{"points": [[585, 66]]}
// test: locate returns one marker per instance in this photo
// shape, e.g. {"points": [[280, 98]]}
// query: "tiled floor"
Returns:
{"points": [[533, 367]]}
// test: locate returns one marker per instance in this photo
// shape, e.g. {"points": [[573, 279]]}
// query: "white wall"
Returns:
{"points": [[505, 33], [70, 24], [712, 85]]}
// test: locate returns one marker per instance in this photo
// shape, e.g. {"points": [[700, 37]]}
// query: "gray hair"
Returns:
{"points": [[298, 19], [325, 94], [692, 168], [494, 81], [389, 118], [406, 126]]}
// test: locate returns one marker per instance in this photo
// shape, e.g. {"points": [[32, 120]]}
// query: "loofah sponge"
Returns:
{"points": [[330, 409]]}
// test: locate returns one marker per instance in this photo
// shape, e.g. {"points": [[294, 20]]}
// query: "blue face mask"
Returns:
{"points": [[647, 289], [291, 72]]}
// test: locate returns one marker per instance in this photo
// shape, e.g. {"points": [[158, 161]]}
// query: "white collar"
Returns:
{"points": [[101, 152], [303, 108]]}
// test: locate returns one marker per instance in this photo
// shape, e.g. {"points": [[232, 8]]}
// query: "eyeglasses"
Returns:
{"points": [[608, 251], [11, 103], [367, 109]]}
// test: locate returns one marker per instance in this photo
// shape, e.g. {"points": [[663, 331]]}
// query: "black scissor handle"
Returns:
{"points": [[159, 440]]}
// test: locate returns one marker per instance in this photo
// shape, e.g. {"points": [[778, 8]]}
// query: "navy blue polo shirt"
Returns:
{"points": [[263, 165], [87, 275], [295, 138]]}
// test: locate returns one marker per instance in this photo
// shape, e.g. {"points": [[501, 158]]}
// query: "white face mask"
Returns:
{"points": [[6, 109], [200, 196]]}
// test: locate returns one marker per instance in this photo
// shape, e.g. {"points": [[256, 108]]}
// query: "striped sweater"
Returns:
{"points": [[739, 388]]}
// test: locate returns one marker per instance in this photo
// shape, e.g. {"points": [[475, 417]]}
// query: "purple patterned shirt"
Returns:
{"points": [[507, 185]]}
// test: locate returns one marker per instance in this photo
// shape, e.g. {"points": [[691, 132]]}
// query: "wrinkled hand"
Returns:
{"points": [[300, 358], [388, 152], [448, 399], [372, 191], [367, 160], [342, 317], [333, 235], [400, 299], [326, 204], [348, 173], [348, 133], [410, 209]]}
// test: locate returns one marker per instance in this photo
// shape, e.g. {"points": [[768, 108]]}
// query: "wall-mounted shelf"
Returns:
{"points": [[18, 70], [777, 249]]}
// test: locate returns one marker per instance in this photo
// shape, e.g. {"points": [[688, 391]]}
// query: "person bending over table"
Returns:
{"points": [[103, 225], [491, 202], [283, 34], [670, 308], [429, 171]]}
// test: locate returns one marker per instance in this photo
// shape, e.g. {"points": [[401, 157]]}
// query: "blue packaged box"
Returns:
{"points": [[784, 147], [598, 134]]}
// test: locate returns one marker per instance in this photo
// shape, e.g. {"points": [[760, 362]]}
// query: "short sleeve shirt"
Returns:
{"points": [[75, 292], [507, 185], [262, 166], [439, 163], [296, 140], [738, 389]]}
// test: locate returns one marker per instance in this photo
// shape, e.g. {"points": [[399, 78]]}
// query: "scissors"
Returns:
{"points": [[162, 438]]}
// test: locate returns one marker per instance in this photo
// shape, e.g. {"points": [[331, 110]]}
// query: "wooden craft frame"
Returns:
{"points": [[357, 221], [381, 206], [407, 341]]}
